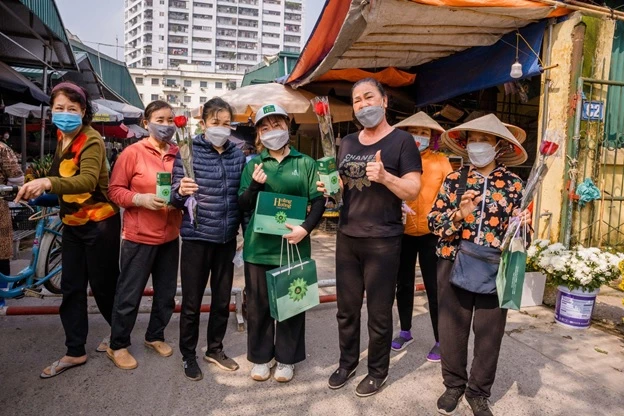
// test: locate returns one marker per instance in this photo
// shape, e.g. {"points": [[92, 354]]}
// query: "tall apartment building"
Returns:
{"points": [[220, 36]]}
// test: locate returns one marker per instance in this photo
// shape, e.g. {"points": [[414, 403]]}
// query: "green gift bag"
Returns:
{"points": [[292, 288], [510, 278]]}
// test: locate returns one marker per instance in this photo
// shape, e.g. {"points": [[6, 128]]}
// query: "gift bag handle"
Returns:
{"points": [[289, 255]]}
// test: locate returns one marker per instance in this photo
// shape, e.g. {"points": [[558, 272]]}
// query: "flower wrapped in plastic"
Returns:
{"points": [[184, 140], [548, 151], [323, 114]]}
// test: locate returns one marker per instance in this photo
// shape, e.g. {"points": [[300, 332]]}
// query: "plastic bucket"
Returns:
{"points": [[574, 308]]}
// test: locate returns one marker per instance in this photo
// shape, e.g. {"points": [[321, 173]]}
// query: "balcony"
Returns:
{"points": [[172, 88], [290, 5], [292, 17], [148, 3], [178, 28], [178, 4], [292, 28], [226, 21], [183, 17], [147, 28], [247, 23], [202, 52], [247, 34], [226, 10], [226, 67], [249, 2], [178, 40], [226, 33], [178, 51], [243, 11], [249, 46]]}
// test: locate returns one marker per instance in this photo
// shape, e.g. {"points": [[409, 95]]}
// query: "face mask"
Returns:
{"points": [[67, 122], [6, 136], [217, 136], [481, 154], [275, 139], [421, 141], [161, 132], [370, 116]]}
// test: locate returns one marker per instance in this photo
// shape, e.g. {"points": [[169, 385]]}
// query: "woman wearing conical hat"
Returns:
{"points": [[471, 226], [418, 241]]}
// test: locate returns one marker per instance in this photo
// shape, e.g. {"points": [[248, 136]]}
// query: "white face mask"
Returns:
{"points": [[370, 116], [217, 136], [481, 154], [275, 139], [421, 141]]}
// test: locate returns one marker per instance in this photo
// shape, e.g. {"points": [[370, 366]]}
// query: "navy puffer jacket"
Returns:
{"points": [[218, 177]]}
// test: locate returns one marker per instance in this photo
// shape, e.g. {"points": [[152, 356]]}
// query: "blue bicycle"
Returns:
{"points": [[45, 265]]}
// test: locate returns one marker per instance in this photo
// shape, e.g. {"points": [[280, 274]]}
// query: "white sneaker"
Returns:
{"points": [[284, 372], [262, 372]]}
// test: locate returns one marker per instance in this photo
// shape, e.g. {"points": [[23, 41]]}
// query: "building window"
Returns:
{"points": [[219, 85], [162, 1], [188, 83], [203, 84], [187, 98], [162, 26], [138, 81], [141, 97], [162, 13], [154, 97], [170, 82], [160, 61], [202, 100], [155, 81]]}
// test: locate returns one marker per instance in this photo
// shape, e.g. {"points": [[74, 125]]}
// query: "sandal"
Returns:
{"points": [[59, 367]]}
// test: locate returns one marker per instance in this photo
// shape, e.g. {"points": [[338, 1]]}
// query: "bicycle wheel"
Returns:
{"points": [[50, 257]]}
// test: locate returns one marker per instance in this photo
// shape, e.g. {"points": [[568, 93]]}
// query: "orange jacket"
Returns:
{"points": [[435, 168], [135, 172]]}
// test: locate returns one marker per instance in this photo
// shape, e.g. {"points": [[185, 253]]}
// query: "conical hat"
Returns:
{"points": [[456, 141], [518, 132], [420, 119]]}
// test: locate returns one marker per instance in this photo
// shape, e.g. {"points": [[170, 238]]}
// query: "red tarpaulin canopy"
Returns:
{"points": [[114, 132]]}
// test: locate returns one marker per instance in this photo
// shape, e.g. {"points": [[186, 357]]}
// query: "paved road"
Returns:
{"points": [[544, 369]]}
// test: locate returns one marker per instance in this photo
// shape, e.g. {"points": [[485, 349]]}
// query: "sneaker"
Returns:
{"points": [[447, 403], [103, 345], [221, 360], [339, 378], [262, 372], [369, 386], [434, 354], [192, 370], [479, 406], [284, 372], [402, 341]]}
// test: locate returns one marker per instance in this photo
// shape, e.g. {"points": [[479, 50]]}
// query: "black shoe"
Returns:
{"points": [[369, 386], [447, 403], [221, 360], [479, 406], [192, 370], [339, 378]]}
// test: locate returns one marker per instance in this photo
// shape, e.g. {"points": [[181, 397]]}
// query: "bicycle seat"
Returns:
{"points": [[45, 200]]}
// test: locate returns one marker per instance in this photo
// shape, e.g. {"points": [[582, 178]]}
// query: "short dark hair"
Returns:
{"points": [[153, 107], [76, 97], [213, 106], [372, 81]]}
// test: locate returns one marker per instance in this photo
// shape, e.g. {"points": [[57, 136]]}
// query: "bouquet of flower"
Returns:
{"points": [[533, 254], [578, 268], [321, 109], [184, 140], [39, 168], [548, 148]]}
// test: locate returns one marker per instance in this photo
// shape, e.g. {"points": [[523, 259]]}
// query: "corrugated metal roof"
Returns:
{"points": [[48, 13]]}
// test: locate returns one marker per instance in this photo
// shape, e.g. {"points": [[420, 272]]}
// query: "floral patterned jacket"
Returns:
{"points": [[487, 225]]}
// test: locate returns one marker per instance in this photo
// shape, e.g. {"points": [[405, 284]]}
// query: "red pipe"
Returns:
{"points": [[54, 310]]}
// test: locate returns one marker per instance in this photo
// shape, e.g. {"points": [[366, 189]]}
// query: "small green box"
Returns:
{"points": [[273, 211], [163, 185], [329, 174]]}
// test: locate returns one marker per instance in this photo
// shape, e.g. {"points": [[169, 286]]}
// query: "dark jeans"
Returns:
{"points": [[266, 338], [423, 247], [200, 261], [138, 261], [458, 308], [90, 256], [371, 265]]}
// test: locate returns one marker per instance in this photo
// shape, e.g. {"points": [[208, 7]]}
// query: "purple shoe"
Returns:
{"points": [[434, 354], [402, 341]]}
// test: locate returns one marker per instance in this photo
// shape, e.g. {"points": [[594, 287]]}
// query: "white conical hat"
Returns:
{"points": [[456, 141], [420, 119], [518, 132]]}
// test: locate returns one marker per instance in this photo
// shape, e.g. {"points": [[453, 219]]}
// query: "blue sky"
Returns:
{"points": [[104, 21]]}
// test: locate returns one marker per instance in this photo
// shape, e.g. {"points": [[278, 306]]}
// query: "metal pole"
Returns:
{"points": [[45, 91], [24, 144]]}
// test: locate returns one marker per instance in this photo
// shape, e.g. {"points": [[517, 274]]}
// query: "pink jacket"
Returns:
{"points": [[135, 172]]}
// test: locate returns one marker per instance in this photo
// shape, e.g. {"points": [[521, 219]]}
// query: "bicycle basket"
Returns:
{"points": [[19, 217]]}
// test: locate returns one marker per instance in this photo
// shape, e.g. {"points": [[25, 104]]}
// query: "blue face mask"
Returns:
{"points": [[67, 122], [421, 141]]}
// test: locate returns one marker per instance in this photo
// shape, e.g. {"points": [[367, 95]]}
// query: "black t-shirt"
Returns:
{"points": [[370, 209]]}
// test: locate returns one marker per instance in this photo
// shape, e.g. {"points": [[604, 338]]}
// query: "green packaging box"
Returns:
{"points": [[329, 174], [163, 185], [273, 211]]}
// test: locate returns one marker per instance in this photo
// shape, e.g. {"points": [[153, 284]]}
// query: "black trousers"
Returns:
{"points": [[458, 308], [138, 261], [90, 256], [423, 247], [266, 338], [200, 261], [371, 265]]}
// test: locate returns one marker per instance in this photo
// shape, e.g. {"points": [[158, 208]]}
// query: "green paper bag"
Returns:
{"points": [[510, 278], [292, 288]]}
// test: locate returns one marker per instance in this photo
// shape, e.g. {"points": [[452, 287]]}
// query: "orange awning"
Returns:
{"points": [[391, 77]]}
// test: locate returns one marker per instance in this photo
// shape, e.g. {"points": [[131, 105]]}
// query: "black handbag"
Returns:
{"points": [[475, 268]]}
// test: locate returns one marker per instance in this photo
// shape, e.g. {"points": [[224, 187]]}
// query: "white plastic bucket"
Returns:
{"points": [[575, 307]]}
